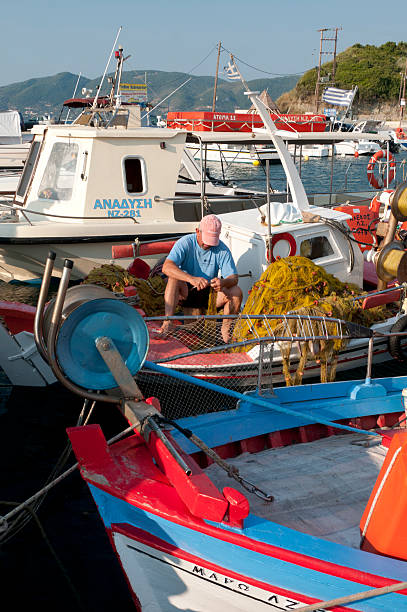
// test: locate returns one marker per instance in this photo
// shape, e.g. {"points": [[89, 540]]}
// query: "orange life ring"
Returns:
{"points": [[276, 238], [372, 162]]}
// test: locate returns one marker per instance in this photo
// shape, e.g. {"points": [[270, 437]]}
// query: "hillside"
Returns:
{"points": [[46, 95], [375, 70]]}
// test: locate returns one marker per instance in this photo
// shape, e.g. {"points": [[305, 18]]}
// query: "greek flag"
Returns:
{"points": [[338, 97], [231, 72]]}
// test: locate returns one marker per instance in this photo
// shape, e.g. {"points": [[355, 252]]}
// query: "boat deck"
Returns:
{"points": [[320, 488]]}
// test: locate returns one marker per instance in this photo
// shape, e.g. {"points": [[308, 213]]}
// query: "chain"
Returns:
{"points": [[231, 470]]}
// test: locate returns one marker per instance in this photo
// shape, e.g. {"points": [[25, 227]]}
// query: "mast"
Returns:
{"points": [[216, 78], [117, 74], [94, 105], [403, 95]]}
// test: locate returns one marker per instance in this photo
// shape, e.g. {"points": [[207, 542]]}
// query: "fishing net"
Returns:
{"points": [[262, 346], [150, 291], [296, 284]]}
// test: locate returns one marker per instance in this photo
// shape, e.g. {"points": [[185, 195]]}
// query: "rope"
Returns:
{"points": [[331, 603], [231, 470], [27, 503]]}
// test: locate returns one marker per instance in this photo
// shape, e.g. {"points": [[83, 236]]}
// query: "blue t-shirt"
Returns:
{"points": [[191, 258]]}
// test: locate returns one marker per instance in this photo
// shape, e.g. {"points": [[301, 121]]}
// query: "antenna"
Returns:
{"points": [[107, 65]]}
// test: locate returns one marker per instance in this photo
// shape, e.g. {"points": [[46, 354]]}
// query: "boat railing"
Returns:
{"points": [[26, 211]]}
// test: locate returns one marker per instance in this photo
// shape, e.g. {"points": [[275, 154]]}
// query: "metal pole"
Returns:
{"points": [[39, 313], [369, 362], [318, 72], [73, 95], [216, 78], [332, 173], [268, 208], [404, 93], [260, 370]]}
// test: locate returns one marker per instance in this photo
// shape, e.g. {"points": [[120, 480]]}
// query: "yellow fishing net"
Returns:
{"points": [[296, 284]]}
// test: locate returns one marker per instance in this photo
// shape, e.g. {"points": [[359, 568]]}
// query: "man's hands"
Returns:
{"points": [[216, 284], [198, 282], [201, 283]]}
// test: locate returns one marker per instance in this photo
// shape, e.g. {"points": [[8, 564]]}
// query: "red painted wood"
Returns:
{"points": [[378, 300], [239, 506], [253, 445], [197, 491]]}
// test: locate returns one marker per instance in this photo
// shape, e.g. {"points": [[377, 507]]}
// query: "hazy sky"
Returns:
{"points": [[41, 38]]}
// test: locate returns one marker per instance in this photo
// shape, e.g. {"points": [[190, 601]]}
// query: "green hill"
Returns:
{"points": [[375, 70], [46, 95]]}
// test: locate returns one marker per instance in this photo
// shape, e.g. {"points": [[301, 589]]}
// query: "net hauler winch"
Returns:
{"points": [[391, 260]]}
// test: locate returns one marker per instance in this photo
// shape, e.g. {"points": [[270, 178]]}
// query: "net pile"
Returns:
{"points": [[150, 291], [296, 284]]}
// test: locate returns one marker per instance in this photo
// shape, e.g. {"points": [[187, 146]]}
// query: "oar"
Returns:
{"points": [[248, 398]]}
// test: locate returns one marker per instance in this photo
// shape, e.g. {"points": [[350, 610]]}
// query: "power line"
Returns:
{"points": [[264, 71]]}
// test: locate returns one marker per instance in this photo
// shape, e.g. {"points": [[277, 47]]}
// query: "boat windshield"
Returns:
{"points": [[28, 170], [59, 174]]}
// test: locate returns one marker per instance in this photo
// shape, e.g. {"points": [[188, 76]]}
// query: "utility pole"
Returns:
{"points": [[325, 39], [216, 78]]}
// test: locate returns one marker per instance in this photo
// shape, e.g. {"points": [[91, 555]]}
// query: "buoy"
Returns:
{"points": [[256, 162], [306, 158], [356, 154]]}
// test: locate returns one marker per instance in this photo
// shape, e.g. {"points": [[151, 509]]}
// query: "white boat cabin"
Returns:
{"points": [[101, 173]]}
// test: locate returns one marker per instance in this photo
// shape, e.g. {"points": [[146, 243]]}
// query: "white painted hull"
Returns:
{"points": [[14, 155], [164, 582], [358, 146]]}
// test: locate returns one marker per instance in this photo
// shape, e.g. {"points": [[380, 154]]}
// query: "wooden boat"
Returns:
{"points": [[173, 495]]}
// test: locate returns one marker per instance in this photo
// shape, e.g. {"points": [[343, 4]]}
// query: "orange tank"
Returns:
{"points": [[383, 524]]}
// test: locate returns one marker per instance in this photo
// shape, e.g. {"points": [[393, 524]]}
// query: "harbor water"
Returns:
{"points": [[61, 559]]}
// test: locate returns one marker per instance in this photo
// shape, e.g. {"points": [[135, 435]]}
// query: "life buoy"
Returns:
{"points": [[277, 238], [400, 133], [372, 162], [397, 345]]}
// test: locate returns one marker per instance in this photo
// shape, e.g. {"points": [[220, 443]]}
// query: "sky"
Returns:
{"points": [[269, 37]]}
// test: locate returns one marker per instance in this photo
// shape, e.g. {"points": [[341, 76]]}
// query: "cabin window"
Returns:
{"points": [[134, 175], [59, 175], [28, 169], [316, 247]]}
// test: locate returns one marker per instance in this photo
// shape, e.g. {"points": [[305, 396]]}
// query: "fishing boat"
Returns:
{"points": [[240, 122], [20, 363], [280, 503]]}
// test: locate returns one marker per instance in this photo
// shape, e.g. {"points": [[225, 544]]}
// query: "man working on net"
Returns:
{"points": [[193, 267]]}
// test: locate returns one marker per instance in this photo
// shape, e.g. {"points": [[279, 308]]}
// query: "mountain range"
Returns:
{"points": [[47, 94]]}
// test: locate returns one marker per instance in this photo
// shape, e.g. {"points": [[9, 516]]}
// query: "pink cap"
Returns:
{"points": [[210, 227]]}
